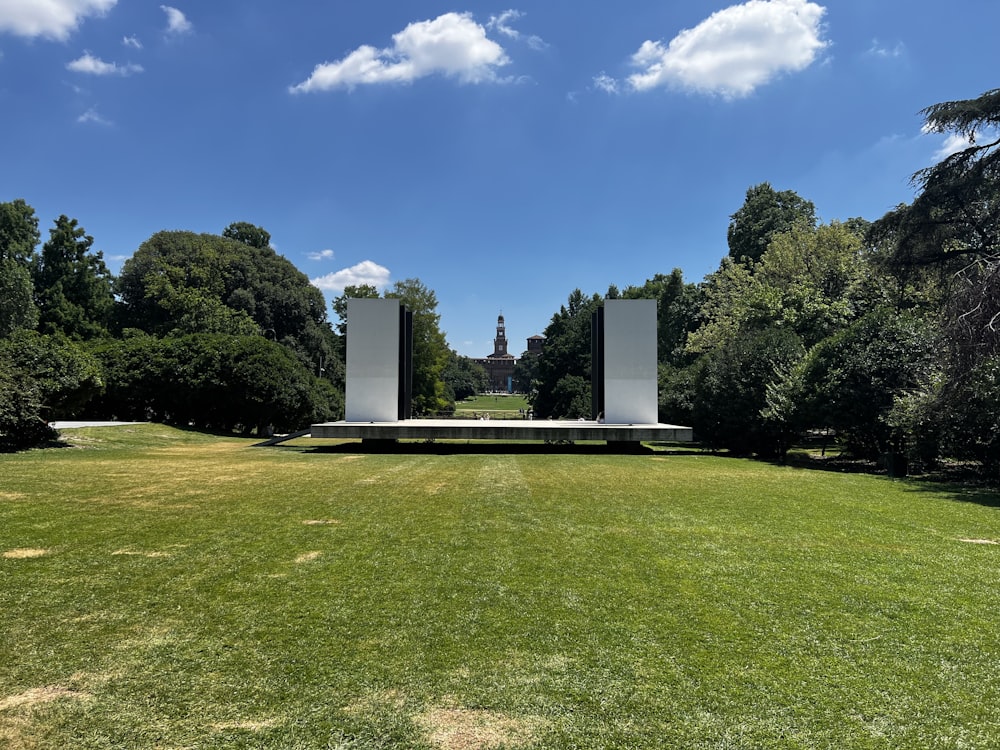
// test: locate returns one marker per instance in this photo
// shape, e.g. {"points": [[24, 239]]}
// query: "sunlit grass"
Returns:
{"points": [[511, 406], [167, 589]]}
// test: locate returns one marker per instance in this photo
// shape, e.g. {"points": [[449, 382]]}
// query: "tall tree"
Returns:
{"points": [[430, 347], [19, 235], [72, 285], [18, 238], [562, 371], [765, 212]]}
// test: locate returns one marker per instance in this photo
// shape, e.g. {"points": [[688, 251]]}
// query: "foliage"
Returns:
{"points": [[72, 285], [19, 235], [731, 392], [178, 282], [811, 280], [21, 422], [562, 370], [464, 378], [17, 306], [248, 234], [430, 348], [42, 378], [212, 381], [765, 213], [851, 381]]}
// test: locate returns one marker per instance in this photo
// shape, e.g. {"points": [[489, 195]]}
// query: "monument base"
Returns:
{"points": [[503, 429]]}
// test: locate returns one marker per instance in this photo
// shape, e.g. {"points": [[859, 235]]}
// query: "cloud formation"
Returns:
{"points": [[322, 255], [452, 45], [735, 50], [95, 66], [93, 116], [365, 272], [177, 22], [132, 41], [52, 19], [502, 25]]}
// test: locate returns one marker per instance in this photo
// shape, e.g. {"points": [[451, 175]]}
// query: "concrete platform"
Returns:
{"points": [[502, 429]]}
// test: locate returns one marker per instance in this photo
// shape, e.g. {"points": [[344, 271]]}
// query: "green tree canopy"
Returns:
{"points": [[72, 285], [19, 235], [562, 371], [181, 282], [765, 212], [430, 347], [248, 234]]}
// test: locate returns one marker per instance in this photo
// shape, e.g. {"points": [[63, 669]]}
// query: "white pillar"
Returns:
{"points": [[372, 391], [630, 388]]}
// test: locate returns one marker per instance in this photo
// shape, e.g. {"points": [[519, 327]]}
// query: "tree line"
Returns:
{"points": [[885, 334], [209, 331]]}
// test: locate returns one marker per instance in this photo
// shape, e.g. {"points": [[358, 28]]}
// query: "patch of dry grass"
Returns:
{"points": [[24, 553], [455, 728]]}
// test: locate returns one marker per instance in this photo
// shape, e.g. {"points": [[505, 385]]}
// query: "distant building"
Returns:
{"points": [[500, 364]]}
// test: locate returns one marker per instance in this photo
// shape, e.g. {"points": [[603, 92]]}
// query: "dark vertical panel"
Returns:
{"points": [[405, 409], [597, 363]]}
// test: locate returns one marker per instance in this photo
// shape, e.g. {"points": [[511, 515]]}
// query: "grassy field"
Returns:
{"points": [[164, 589], [498, 407]]}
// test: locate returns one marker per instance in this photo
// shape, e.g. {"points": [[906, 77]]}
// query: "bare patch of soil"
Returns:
{"points": [[24, 553], [308, 556], [979, 541], [322, 522], [477, 729]]}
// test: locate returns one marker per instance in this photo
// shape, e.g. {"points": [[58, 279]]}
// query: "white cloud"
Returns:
{"points": [[605, 83], [132, 41], [177, 22], [53, 19], [96, 66], [735, 50], [365, 272], [880, 50], [321, 255], [451, 45], [502, 24], [92, 116]]}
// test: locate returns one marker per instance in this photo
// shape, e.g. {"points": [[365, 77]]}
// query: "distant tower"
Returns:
{"points": [[500, 342]]}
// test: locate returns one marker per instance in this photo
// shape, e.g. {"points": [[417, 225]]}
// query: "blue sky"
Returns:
{"points": [[503, 154]]}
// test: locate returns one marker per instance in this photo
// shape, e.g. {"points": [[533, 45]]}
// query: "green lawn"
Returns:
{"points": [[164, 589], [498, 407]]}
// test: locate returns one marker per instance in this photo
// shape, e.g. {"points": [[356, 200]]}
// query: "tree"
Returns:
{"points": [[72, 285], [213, 381], [430, 347], [852, 380], [563, 369], [248, 234], [18, 238], [954, 225], [730, 391], [765, 212], [181, 282], [17, 306], [44, 378], [19, 235], [463, 377]]}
